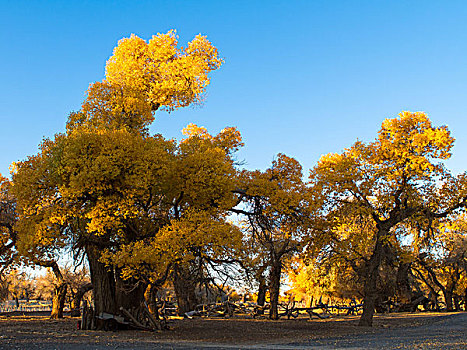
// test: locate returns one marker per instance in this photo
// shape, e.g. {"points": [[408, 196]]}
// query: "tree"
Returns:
{"points": [[14, 249], [337, 256], [274, 205], [341, 242], [392, 180], [105, 183], [39, 230], [18, 285]]}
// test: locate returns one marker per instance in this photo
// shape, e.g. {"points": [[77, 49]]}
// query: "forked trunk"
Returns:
{"points": [[450, 288], [403, 288], [58, 300], [448, 299], [274, 289]]}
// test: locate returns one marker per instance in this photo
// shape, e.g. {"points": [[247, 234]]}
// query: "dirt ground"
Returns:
{"points": [[38, 332]]}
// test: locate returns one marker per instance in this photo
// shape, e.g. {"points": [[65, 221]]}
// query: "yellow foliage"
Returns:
{"points": [[168, 76], [197, 235], [143, 77], [120, 188], [400, 165]]}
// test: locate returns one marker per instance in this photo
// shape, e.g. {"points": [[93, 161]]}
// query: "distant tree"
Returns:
{"points": [[273, 203], [17, 285], [44, 285]]}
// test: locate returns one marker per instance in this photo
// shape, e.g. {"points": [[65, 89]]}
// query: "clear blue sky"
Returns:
{"points": [[300, 77]]}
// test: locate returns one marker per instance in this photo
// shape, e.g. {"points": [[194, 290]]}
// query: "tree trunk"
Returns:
{"points": [[457, 305], [262, 289], [184, 289], [370, 292], [403, 288], [451, 287], [274, 289], [448, 299], [58, 301], [103, 282], [433, 295], [76, 301]]}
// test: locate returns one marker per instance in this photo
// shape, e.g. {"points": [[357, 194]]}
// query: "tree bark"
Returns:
{"points": [[262, 289], [274, 289], [450, 288], [370, 292], [457, 305], [448, 299], [103, 282], [184, 290], [58, 301]]}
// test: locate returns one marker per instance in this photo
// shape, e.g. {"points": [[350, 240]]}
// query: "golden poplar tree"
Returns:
{"points": [[276, 217], [398, 177], [107, 182]]}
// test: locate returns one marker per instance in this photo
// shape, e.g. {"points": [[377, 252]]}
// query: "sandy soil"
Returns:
{"points": [[389, 331]]}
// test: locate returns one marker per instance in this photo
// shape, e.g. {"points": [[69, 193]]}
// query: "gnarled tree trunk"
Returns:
{"points": [[274, 289], [370, 292], [103, 282], [58, 301], [150, 297], [403, 288], [448, 295]]}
